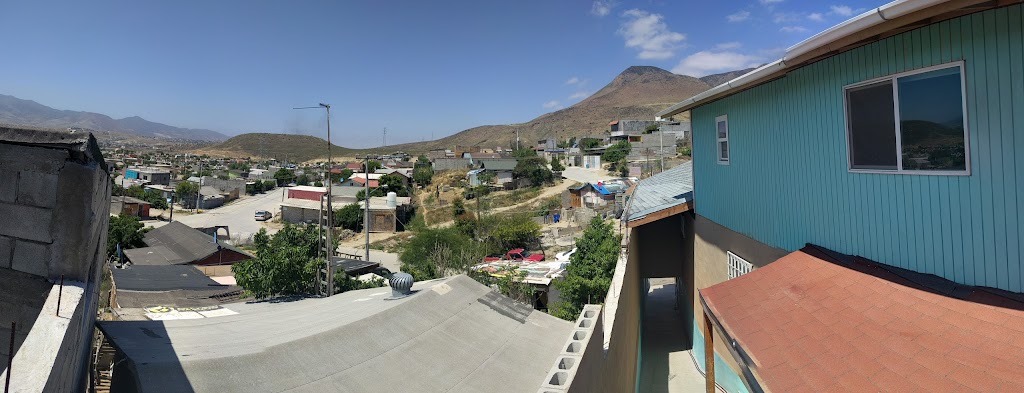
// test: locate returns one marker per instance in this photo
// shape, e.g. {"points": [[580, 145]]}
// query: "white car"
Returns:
{"points": [[564, 256]]}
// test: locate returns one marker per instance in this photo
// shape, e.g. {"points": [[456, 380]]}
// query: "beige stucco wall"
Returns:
{"points": [[711, 242]]}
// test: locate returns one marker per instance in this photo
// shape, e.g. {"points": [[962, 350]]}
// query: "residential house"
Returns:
{"points": [[230, 189], [179, 244], [501, 167], [129, 206], [600, 194], [307, 192], [141, 286], [151, 175], [864, 205], [388, 213]]}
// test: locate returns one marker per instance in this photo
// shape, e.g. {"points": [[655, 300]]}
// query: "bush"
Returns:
{"points": [[589, 274], [535, 169], [435, 253], [616, 152], [349, 217]]}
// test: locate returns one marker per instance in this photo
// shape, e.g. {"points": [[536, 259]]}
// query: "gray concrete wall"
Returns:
{"points": [[55, 199]]}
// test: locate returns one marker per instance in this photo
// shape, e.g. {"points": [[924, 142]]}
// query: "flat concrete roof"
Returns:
{"points": [[453, 335]]}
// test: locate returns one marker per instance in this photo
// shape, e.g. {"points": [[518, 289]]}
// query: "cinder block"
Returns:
{"points": [[31, 258], [8, 185], [37, 189], [26, 222], [6, 251]]}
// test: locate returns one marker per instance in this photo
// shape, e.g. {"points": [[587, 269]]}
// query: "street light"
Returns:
{"points": [[329, 243]]}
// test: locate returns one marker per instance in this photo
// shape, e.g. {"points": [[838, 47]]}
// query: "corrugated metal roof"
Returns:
{"points": [[662, 191]]}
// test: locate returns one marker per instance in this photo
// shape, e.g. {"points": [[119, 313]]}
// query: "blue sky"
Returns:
{"points": [[422, 69]]}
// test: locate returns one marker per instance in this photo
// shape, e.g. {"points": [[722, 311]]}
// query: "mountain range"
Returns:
{"points": [[637, 93], [16, 111]]}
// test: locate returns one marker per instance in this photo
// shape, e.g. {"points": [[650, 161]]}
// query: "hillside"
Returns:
{"points": [[637, 93], [717, 79], [16, 111], [292, 148]]}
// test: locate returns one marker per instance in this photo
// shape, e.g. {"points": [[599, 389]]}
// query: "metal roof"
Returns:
{"points": [[162, 278], [498, 164], [174, 244], [662, 191]]}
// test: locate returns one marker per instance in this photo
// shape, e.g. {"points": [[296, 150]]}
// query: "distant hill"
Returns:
{"points": [[637, 93], [16, 111], [717, 79], [293, 148]]}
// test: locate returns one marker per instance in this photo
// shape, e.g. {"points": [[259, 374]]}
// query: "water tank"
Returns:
{"points": [[392, 200]]}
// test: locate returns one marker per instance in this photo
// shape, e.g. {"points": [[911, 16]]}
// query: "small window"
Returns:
{"points": [[722, 130], [913, 122], [738, 266]]}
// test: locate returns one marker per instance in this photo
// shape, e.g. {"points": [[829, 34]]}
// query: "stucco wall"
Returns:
{"points": [[711, 242]]}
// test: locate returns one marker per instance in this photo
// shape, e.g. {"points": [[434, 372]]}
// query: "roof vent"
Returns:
{"points": [[401, 285]]}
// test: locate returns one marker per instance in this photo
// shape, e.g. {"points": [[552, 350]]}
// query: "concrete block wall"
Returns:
{"points": [[578, 367], [57, 212]]}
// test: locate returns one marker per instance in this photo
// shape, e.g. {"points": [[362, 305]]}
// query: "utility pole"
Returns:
{"points": [[366, 202], [385, 140], [199, 193], [661, 149]]}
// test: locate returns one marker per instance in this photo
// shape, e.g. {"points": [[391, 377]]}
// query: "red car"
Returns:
{"points": [[517, 254]]}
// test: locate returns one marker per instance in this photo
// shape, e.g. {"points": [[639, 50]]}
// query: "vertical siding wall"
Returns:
{"points": [[788, 182]]}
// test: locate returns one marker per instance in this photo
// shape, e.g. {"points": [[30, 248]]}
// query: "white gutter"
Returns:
{"points": [[852, 26]]}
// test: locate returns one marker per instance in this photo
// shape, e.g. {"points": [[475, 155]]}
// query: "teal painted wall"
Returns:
{"points": [[725, 376], [788, 183]]}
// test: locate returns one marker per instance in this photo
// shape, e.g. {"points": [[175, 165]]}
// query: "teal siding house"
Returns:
{"points": [[896, 137]]}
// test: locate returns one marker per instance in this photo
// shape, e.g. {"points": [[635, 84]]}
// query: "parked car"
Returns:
{"points": [[517, 254], [263, 215], [565, 255]]}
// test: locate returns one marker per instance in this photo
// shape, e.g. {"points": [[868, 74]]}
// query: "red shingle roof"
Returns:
{"points": [[815, 320]]}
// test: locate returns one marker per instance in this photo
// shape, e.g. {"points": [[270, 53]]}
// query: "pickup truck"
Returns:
{"points": [[517, 254]]}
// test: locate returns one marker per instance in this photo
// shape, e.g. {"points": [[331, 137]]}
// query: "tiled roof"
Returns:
{"points": [[816, 320], [662, 191]]}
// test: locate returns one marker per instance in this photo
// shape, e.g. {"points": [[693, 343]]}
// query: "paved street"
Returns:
{"points": [[586, 175], [238, 215]]}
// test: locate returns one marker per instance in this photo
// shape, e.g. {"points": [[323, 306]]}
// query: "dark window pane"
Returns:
{"points": [[723, 150], [932, 121], [723, 131], [872, 125]]}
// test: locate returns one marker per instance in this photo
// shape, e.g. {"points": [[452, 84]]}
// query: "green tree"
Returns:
{"points": [[590, 143], [155, 199], [535, 169], [458, 207], [302, 180], [285, 263], [505, 232], [125, 230], [349, 217], [374, 165], [135, 191], [423, 174], [590, 270], [616, 152], [524, 152], [186, 192], [556, 165], [284, 176], [340, 177], [422, 160]]}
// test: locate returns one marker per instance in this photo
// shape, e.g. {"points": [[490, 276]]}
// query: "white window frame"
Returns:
{"points": [[738, 266], [719, 140], [899, 132]]}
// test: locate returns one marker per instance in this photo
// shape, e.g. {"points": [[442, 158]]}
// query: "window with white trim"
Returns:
{"points": [[738, 266], [722, 138], [912, 122]]}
